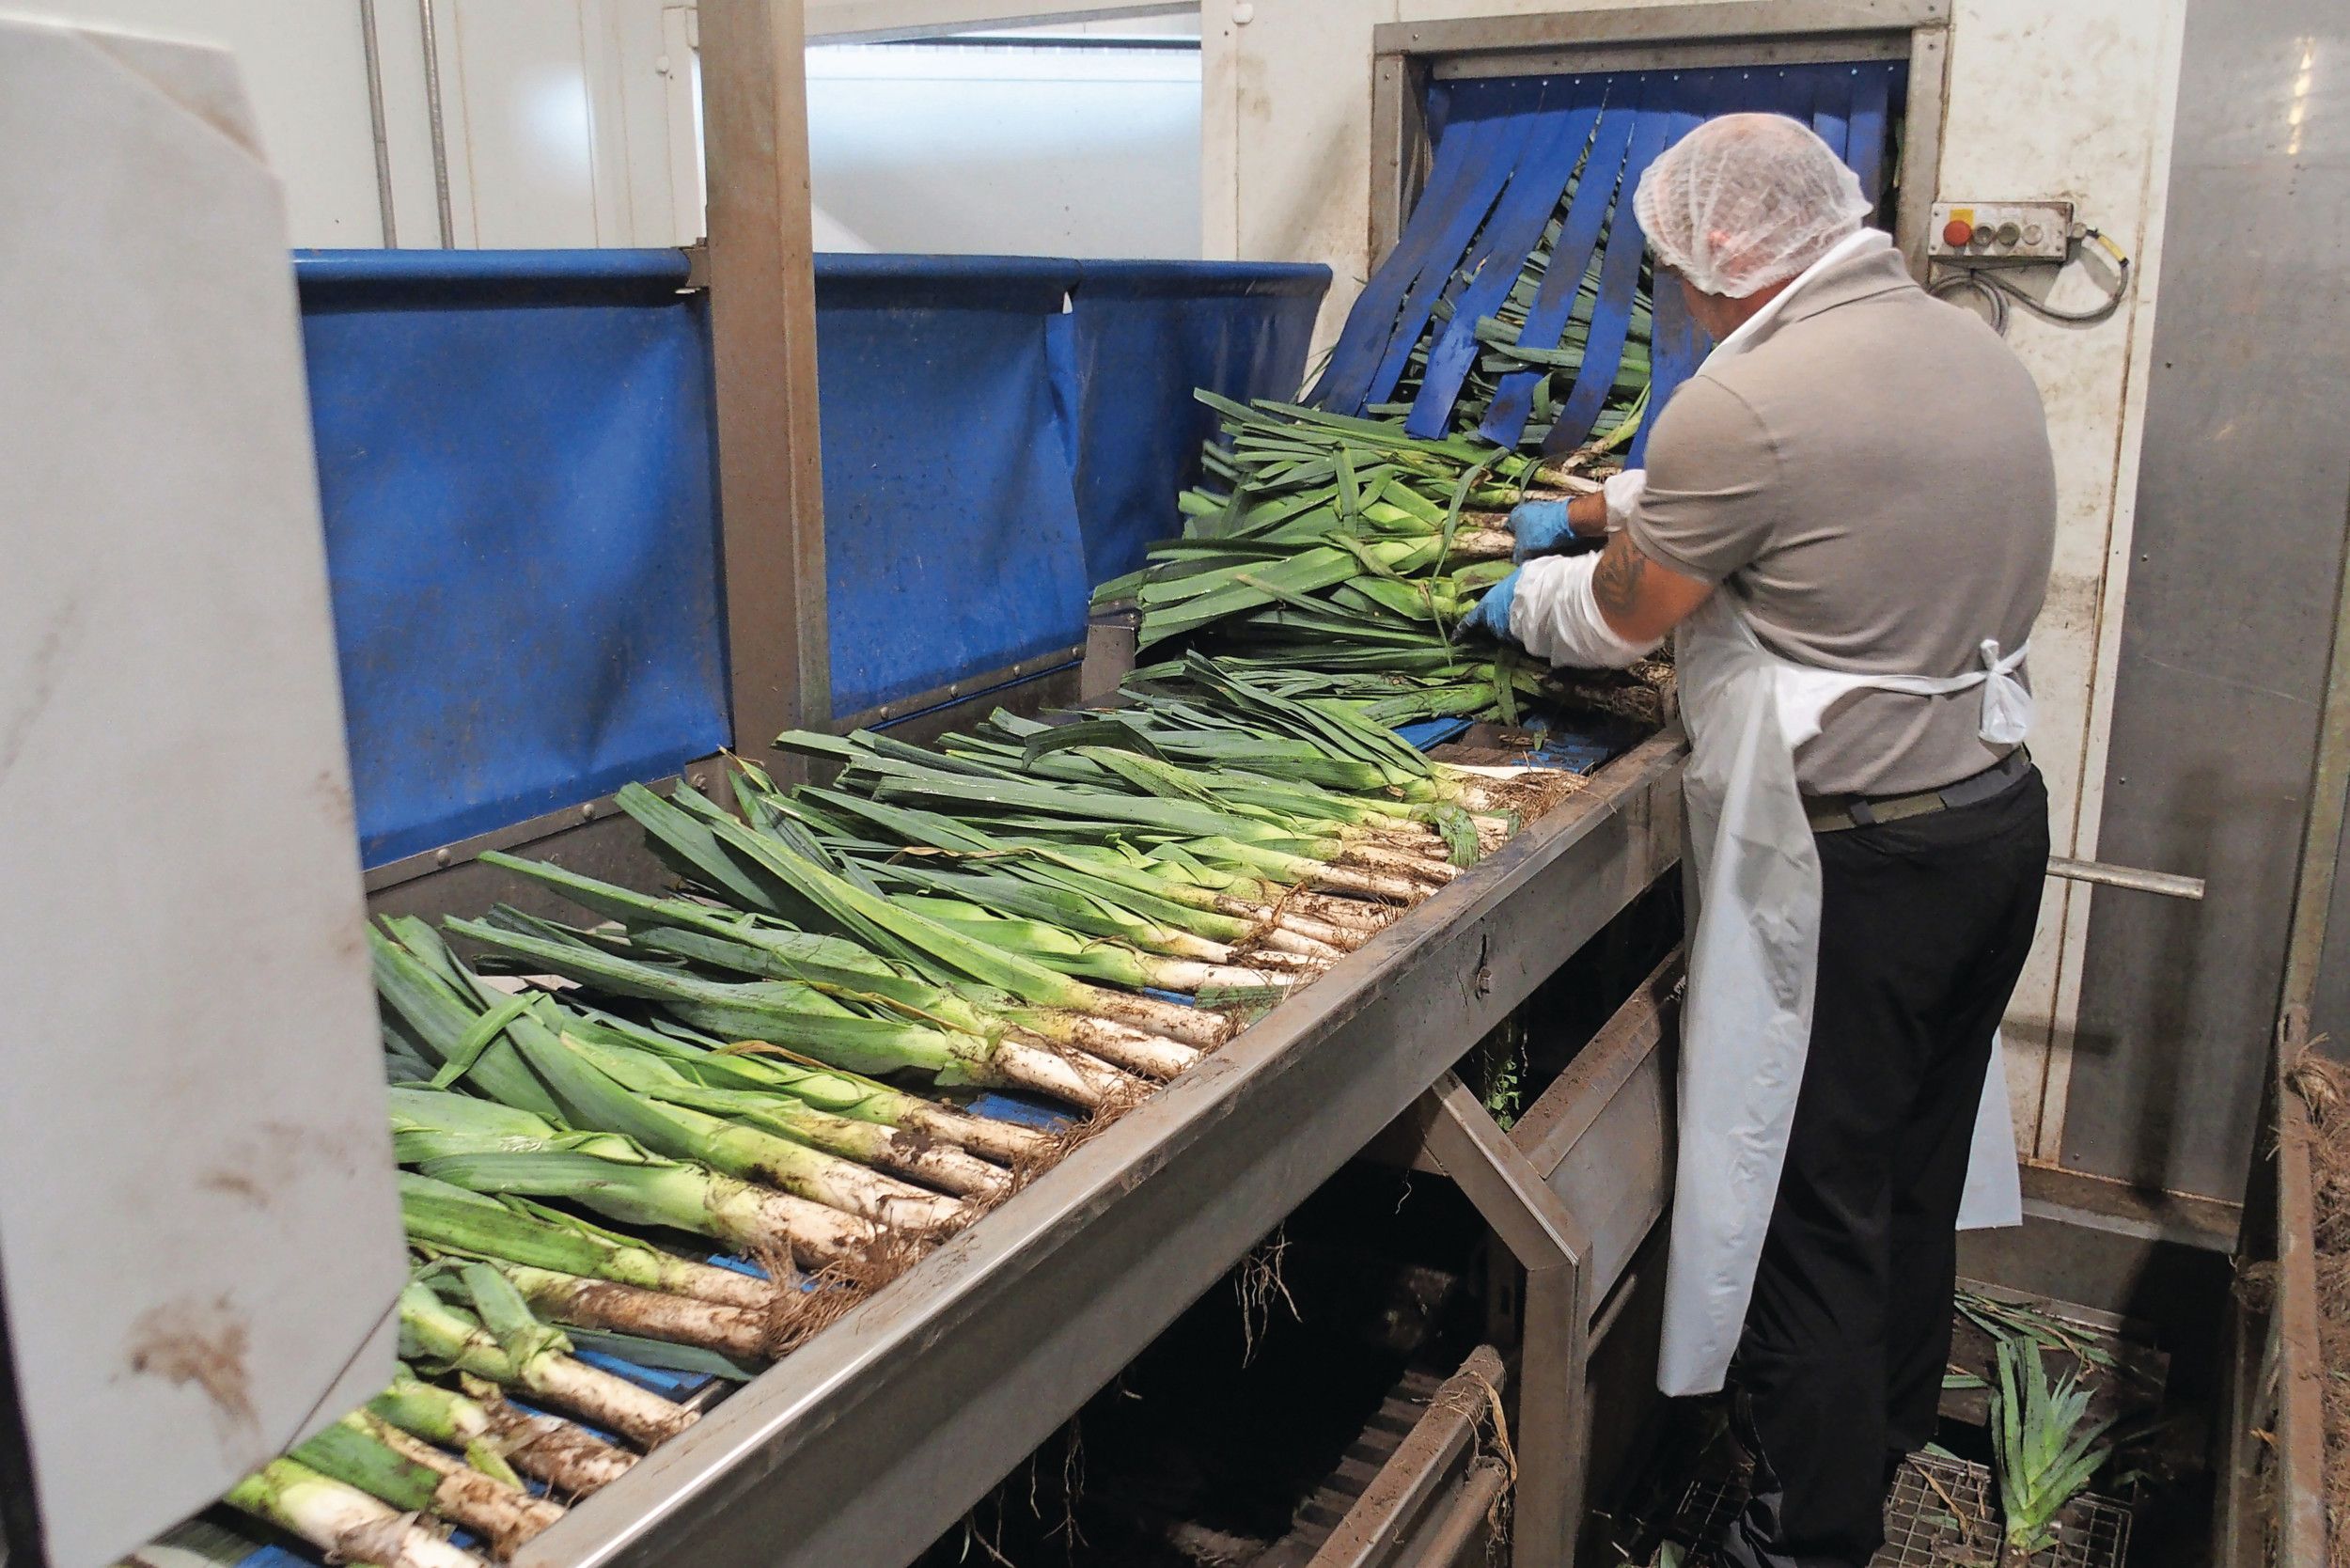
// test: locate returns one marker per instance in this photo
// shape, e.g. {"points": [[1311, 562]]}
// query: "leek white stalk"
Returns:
{"points": [[490, 1433], [342, 1521], [509, 1346]]}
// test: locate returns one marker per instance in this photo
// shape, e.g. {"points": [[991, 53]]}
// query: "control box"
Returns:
{"points": [[1993, 231]]}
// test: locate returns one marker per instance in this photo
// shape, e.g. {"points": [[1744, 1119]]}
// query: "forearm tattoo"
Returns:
{"points": [[1616, 581]]}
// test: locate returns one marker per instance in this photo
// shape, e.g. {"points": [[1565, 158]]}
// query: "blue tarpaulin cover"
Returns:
{"points": [[1002, 432], [951, 543], [515, 458], [515, 466], [1140, 336]]}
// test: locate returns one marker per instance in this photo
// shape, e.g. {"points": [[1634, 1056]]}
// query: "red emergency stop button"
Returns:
{"points": [[1958, 234]]}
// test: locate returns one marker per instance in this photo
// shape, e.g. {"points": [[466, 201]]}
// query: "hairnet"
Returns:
{"points": [[1746, 201]]}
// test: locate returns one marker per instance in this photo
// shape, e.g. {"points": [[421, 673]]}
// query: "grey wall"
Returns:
{"points": [[2241, 509]]}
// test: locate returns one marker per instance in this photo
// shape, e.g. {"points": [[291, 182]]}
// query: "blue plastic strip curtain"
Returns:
{"points": [[1487, 126], [1556, 142], [1346, 380], [1618, 274], [1562, 280], [1849, 106], [1496, 141], [1873, 90], [515, 466], [1493, 144], [1676, 348], [1831, 107], [951, 538], [1139, 337]]}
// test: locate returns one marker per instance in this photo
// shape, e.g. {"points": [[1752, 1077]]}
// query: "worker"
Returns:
{"points": [[1846, 516]]}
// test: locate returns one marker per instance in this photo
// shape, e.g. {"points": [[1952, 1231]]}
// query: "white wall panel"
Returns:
{"points": [[1021, 150], [521, 123], [2073, 102], [305, 69]]}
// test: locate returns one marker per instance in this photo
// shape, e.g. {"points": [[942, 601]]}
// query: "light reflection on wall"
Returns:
{"points": [[2298, 113], [551, 107], [970, 149]]}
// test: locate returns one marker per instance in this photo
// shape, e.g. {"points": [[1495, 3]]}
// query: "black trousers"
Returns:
{"points": [[1925, 926]]}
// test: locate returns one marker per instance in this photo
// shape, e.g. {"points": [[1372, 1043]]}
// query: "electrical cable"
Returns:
{"points": [[1994, 300], [1997, 291]]}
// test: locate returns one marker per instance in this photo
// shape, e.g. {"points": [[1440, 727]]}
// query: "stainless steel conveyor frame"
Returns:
{"points": [[863, 1445]]}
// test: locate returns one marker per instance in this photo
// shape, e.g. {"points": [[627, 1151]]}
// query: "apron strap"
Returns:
{"points": [[2006, 701]]}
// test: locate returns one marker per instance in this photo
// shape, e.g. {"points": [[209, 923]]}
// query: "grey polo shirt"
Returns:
{"points": [[1871, 479]]}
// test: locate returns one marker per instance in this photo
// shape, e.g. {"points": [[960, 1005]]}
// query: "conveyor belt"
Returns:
{"points": [[866, 1444]]}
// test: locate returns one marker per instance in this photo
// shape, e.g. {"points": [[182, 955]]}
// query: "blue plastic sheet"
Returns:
{"points": [[515, 466], [1002, 432], [951, 538], [1139, 338]]}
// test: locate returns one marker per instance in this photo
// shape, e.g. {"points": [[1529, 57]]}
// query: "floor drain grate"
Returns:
{"points": [[1940, 1515]]}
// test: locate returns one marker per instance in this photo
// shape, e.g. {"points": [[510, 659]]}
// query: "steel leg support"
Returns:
{"points": [[1553, 1434]]}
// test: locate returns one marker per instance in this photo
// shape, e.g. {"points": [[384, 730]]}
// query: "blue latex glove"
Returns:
{"points": [[1492, 615], [1540, 528]]}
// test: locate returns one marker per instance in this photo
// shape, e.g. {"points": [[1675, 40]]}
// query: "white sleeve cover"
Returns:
{"points": [[1554, 616], [1623, 492]]}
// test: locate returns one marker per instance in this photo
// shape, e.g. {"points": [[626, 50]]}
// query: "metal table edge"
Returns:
{"points": [[785, 1411]]}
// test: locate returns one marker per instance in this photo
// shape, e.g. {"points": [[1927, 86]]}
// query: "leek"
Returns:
{"points": [[340, 1520], [494, 1335], [487, 1430]]}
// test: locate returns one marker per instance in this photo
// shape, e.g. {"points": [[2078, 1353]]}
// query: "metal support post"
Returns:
{"points": [[1554, 1416], [763, 325], [429, 23], [1574, 1190]]}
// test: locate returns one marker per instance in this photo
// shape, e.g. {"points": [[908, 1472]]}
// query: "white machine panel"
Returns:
{"points": [[199, 1238], [1982, 231]]}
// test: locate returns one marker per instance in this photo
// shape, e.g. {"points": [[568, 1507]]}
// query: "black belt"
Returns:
{"points": [[1834, 813]]}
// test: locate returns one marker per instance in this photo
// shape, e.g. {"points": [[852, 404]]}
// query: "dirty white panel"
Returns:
{"points": [[201, 1240], [304, 71], [2075, 103]]}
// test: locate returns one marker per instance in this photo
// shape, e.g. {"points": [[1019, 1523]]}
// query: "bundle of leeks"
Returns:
{"points": [[1340, 557], [1012, 909], [545, 1142], [390, 1483]]}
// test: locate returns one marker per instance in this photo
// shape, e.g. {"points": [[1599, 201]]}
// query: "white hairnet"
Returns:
{"points": [[1746, 201]]}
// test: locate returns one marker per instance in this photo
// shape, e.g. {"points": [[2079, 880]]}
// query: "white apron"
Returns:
{"points": [[1753, 874], [1753, 879]]}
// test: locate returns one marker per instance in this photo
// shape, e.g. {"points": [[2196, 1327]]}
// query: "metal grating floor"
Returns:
{"points": [[1940, 1515]]}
